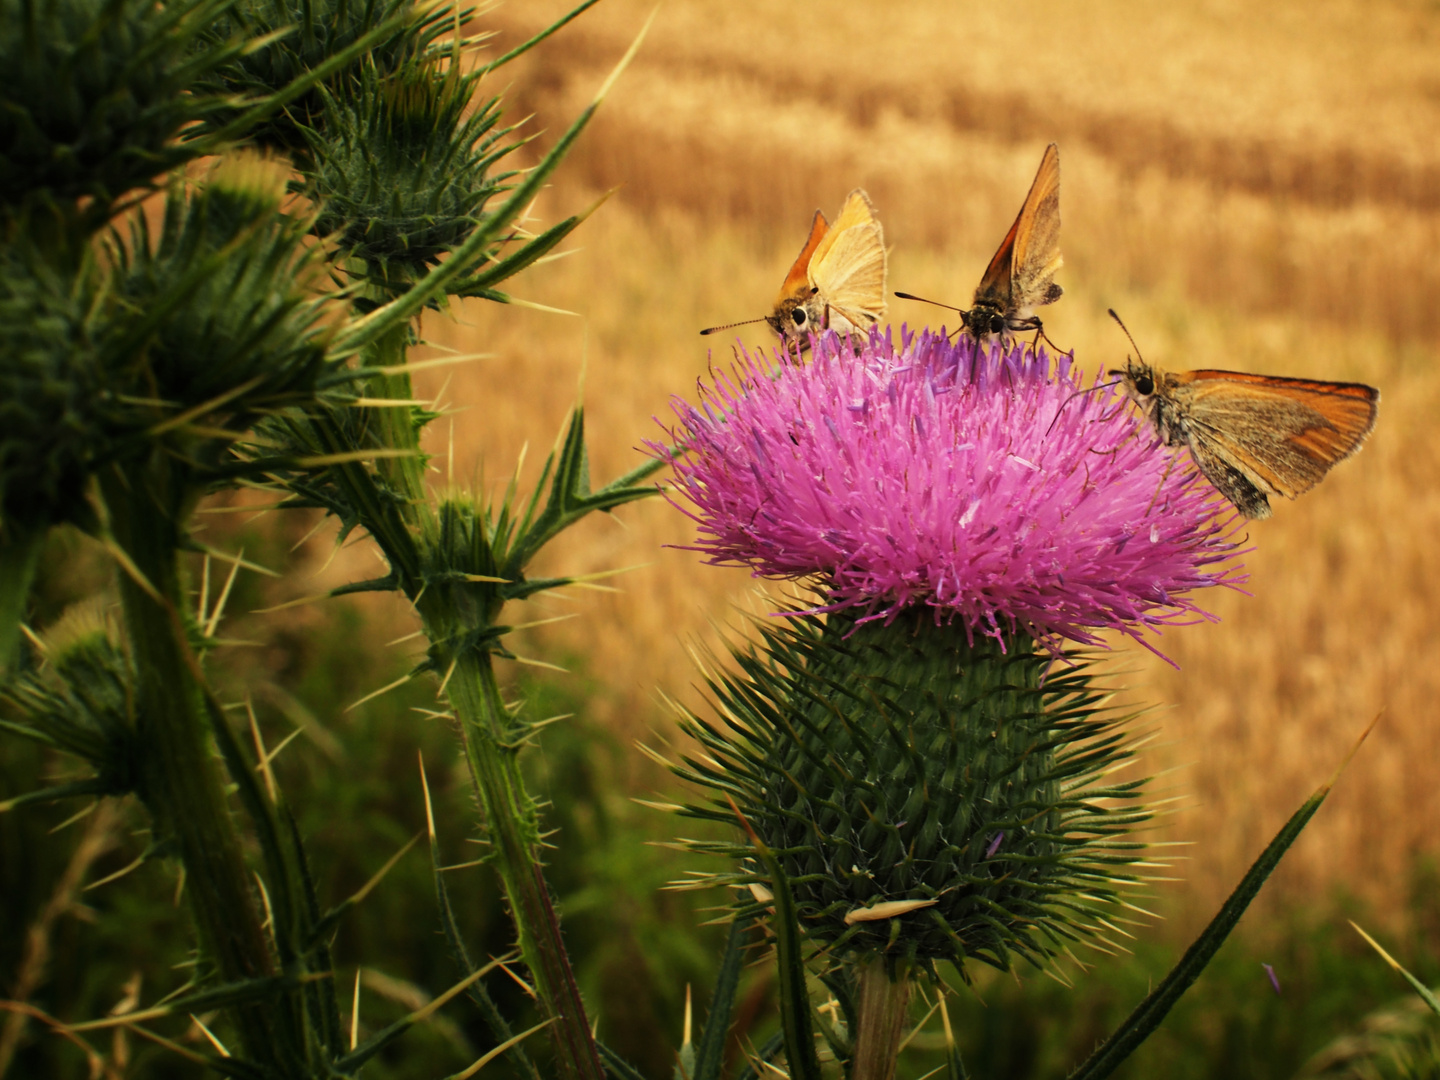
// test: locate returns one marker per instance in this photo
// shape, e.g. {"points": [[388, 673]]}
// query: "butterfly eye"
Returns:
{"points": [[799, 316], [1144, 386], [997, 324]]}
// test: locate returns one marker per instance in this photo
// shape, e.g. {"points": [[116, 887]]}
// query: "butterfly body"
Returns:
{"points": [[1254, 436]]}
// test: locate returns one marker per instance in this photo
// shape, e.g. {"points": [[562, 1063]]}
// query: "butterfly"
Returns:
{"points": [[838, 280], [1253, 436], [1021, 275]]}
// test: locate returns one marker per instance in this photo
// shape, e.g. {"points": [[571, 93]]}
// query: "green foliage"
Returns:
{"points": [[1398, 1042], [143, 359]]}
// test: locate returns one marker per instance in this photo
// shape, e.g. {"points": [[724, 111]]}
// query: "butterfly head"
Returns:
{"points": [[984, 320], [1138, 378], [797, 316]]}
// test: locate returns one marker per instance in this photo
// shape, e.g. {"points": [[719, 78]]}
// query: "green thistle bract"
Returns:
{"points": [[50, 429], [96, 93], [405, 175], [903, 762]]}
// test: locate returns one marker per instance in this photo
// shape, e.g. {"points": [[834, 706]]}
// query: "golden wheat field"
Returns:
{"points": [[1251, 186]]}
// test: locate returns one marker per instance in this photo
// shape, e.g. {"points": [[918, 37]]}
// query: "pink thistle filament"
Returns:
{"points": [[984, 482]]}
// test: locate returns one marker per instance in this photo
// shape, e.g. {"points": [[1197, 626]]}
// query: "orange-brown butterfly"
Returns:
{"points": [[1253, 436], [1021, 276], [838, 280]]}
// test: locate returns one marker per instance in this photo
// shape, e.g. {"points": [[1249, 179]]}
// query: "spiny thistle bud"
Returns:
{"points": [[297, 36], [247, 175], [402, 174], [925, 761], [101, 362], [217, 307], [81, 700], [96, 93]]}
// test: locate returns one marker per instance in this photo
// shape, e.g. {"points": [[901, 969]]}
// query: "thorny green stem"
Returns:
{"points": [[884, 1002], [486, 731], [509, 817], [179, 784]]}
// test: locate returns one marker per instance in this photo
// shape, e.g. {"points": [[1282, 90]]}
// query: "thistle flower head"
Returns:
{"points": [[934, 780], [982, 482]]}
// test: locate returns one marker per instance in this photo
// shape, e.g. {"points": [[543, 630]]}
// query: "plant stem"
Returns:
{"points": [[487, 730], [510, 818], [179, 782], [884, 1004]]}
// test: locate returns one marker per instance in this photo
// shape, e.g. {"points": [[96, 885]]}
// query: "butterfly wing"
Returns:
{"points": [[797, 281], [857, 211], [1021, 275], [1037, 239], [848, 268], [1283, 434]]}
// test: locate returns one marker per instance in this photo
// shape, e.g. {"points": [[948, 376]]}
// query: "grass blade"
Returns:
{"points": [[796, 1023], [710, 1051], [1418, 986], [1150, 1012]]}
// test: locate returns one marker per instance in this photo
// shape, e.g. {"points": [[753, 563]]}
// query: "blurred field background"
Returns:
{"points": [[1253, 187]]}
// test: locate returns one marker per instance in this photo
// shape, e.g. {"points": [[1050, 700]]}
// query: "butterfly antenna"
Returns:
{"points": [[912, 296], [727, 326], [1127, 334]]}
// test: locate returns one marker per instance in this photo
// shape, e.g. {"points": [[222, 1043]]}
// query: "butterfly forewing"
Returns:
{"points": [[847, 270], [857, 211], [1291, 431], [1037, 239], [797, 281], [1021, 275]]}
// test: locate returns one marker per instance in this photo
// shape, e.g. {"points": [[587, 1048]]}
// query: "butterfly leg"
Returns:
{"points": [[1046, 338]]}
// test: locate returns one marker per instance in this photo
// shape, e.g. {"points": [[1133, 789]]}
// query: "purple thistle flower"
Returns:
{"points": [[977, 480]]}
